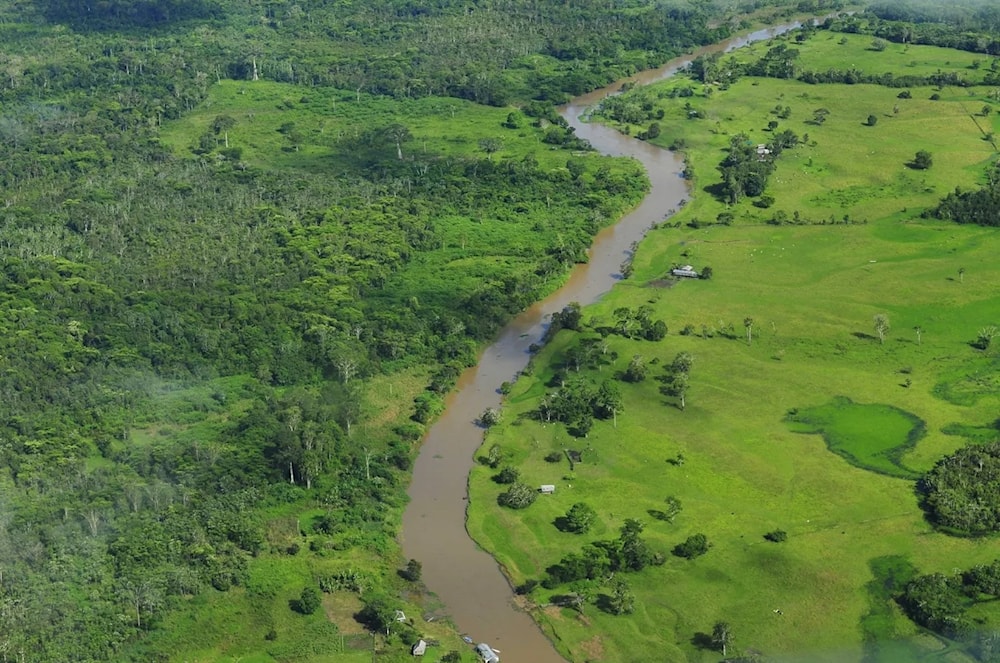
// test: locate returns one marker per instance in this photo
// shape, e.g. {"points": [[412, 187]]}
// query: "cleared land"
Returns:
{"points": [[813, 292]]}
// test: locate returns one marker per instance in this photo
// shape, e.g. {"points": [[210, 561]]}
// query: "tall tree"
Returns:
{"points": [[722, 636], [881, 322], [748, 323], [398, 134]]}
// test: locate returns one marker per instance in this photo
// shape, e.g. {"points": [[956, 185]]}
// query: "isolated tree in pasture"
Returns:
{"points": [[676, 386], [987, 109], [490, 145], [881, 322], [961, 274], [722, 636], [518, 496], [671, 508], [748, 323], [985, 337], [919, 331], [871, 121], [580, 517], [922, 160], [693, 546]]}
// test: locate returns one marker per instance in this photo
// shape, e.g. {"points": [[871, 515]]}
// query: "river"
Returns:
{"points": [[468, 581]]}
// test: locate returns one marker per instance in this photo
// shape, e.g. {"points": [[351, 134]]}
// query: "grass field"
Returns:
{"points": [[813, 292], [873, 437]]}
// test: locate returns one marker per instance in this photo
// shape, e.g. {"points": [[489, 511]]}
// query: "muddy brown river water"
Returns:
{"points": [[468, 581]]}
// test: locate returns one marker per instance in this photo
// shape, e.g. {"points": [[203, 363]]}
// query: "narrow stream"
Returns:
{"points": [[468, 581]]}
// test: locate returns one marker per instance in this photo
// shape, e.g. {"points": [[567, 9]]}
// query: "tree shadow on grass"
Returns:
{"points": [[863, 336], [702, 640], [604, 604], [562, 524], [717, 191], [659, 515]]}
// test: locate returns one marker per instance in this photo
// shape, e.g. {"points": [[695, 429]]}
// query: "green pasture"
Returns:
{"points": [[322, 118], [812, 292], [837, 50], [845, 168], [746, 473]]}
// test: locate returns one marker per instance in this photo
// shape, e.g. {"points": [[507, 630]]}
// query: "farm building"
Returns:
{"points": [[687, 271], [547, 489], [420, 648]]}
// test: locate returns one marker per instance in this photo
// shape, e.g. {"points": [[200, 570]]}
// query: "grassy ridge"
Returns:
{"points": [[813, 292]]}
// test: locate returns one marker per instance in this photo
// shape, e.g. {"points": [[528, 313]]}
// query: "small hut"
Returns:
{"points": [[419, 649], [685, 271]]}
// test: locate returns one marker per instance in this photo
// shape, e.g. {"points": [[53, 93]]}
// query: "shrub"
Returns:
{"points": [[695, 545], [489, 417], [579, 518], [518, 496], [553, 457], [507, 475], [777, 536], [308, 601], [413, 571]]}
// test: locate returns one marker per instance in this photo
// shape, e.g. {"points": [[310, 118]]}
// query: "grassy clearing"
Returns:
{"points": [[322, 117], [813, 292], [836, 50], [872, 436]]}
